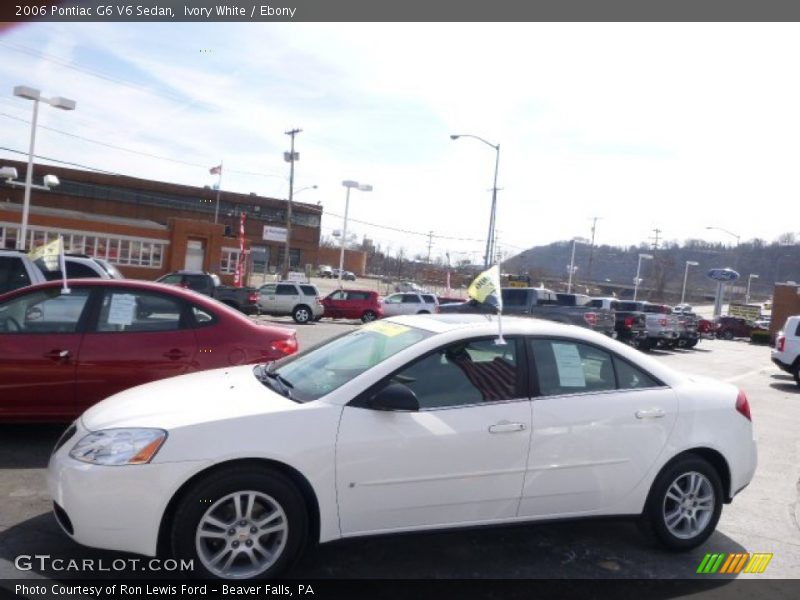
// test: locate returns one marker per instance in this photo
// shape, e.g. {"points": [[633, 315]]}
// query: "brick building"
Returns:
{"points": [[148, 228]]}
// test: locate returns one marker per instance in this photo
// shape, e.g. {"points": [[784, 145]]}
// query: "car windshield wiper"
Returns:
{"points": [[283, 386]]}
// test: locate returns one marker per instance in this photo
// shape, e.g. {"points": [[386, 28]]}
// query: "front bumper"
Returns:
{"points": [[114, 508]]}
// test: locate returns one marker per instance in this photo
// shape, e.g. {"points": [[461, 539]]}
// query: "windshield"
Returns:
{"points": [[320, 370]]}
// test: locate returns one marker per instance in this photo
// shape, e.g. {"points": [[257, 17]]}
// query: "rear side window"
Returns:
{"points": [[429, 298], [139, 311], [410, 299], [197, 283], [12, 274]]}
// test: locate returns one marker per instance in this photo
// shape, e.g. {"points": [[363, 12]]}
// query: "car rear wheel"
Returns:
{"points": [[796, 373], [239, 524], [685, 504], [368, 316], [727, 335], [424, 312], [302, 314]]}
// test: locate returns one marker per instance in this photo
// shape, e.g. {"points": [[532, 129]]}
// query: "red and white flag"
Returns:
{"points": [[216, 170], [238, 279]]}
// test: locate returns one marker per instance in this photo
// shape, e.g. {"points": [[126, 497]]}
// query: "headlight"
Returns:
{"points": [[119, 446]]}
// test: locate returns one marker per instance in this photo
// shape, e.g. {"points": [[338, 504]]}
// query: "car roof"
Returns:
{"points": [[127, 283]]}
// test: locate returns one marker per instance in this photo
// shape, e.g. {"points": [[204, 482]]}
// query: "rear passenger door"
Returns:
{"points": [[286, 298], [599, 425], [138, 336], [410, 304]]}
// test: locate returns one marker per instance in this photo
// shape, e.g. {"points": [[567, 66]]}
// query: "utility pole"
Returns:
{"points": [[289, 157], [655, 238], [430, 243], [591, 250]]}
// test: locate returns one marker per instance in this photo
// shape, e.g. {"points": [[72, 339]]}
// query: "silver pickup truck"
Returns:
{"points": [[663, 327]]}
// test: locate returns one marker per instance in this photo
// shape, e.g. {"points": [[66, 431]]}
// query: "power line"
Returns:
{"points": [[138, 152]]}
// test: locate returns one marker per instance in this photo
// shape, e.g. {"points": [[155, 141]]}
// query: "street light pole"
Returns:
{"points": [[363, 188], [689, 263], [488, 257], [30, 93], [747, 293], [638, 270], [289, 157], [572, 268]]}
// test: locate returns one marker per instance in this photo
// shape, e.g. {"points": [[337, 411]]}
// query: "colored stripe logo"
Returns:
{"points": [[734, 563]]}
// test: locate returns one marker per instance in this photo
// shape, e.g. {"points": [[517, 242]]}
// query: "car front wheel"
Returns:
{"points": [[368, 316], [240, 524], [685, 504]]}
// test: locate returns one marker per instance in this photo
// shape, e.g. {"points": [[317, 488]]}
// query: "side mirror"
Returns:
{"points": [[395, 396]]}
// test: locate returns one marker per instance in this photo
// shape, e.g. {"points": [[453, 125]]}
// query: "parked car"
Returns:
{"points": [[406, 424], [448, 300], [346, 275], [81, 266], [243, 299], [706, 329], [408, 303], [662, 326], [630, 326], [300, 300], [409, 286], [353, 304], [727, 328], [18, 270], [786, 354], [61, 353], [688, 322], [325, 271]]}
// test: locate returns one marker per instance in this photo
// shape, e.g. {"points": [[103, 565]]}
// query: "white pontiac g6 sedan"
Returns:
{"points": [[411, 423]]}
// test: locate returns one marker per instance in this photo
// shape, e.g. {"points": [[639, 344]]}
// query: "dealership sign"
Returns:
{"points": [[274, 234], [722, 275]]}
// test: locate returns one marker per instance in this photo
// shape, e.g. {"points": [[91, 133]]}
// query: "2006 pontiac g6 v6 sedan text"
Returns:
{"points": [[411, 423]]}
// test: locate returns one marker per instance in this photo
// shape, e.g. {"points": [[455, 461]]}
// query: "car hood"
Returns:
{"points": [[201, 397]]}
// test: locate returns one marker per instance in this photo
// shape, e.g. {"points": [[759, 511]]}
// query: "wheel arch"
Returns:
{"points": [[713, 457], [297, 478]]}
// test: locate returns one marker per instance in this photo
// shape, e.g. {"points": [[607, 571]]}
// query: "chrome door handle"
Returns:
{"points": [[58, 354], [653, 413], [506, 427]]}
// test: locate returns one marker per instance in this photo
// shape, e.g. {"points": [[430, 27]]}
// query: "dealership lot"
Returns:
{"points": [[763, 518]]}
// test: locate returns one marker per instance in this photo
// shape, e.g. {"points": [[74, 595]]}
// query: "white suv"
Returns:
{"points": [[786, 354], [300, 300]]}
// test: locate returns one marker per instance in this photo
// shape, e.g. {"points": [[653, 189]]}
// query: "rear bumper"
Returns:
{"points": [[781, 365]]}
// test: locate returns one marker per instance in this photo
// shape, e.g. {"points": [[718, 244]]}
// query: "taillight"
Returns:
{"points": [[285, 346], [252, 297], [743, 406], [628, 322], [319, 300], [590, 318], [781, 345], [663, 322]]}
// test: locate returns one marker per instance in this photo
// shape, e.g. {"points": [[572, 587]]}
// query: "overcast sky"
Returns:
{"points": [[669, 126]]}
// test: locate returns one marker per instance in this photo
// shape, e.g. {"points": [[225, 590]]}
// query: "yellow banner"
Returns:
{"points": [[486, 284], [49, 253]]}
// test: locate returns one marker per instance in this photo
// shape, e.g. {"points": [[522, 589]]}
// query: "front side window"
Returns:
{"points": [[318, 371], [338, 295], [464, 373], [267, 290], [45, 311], [396, 299]]}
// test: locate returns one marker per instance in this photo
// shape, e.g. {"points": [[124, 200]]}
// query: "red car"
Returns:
{"points": [[61, 353], [728, 328], [353, 304]]}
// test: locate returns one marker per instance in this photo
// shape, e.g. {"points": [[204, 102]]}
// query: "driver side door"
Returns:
{"points": [[459, 459]]}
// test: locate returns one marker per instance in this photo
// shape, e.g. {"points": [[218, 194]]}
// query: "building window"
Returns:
{"points": [[142, 252], [230, 258]]}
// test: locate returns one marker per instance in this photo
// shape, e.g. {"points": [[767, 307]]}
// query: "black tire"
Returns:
{"points": [[727, 335], [644, 345], [796, 373], [691, 343], [215, 496], [302, 314], [676, 480], [368, 316]]}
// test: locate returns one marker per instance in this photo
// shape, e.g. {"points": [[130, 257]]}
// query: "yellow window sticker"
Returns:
{"points": [[387, 329]]}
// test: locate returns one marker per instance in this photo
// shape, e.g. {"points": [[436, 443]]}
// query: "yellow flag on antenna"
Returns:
{"points": [[485, 285]]}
